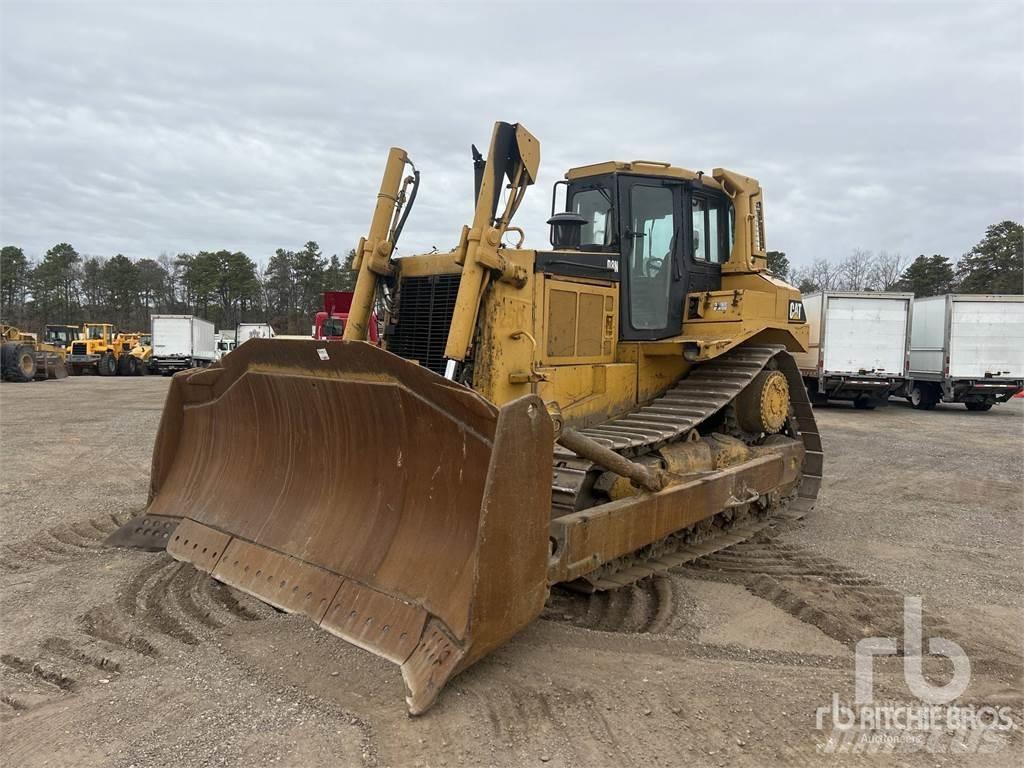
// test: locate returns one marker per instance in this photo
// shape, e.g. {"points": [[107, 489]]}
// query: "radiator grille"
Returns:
{"points": [[424, 315], [78, 349]]}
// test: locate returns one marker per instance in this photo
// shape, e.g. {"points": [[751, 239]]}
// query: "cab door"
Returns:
{"points": [[652, 274]]}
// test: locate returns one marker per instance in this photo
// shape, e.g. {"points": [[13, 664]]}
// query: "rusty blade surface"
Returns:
{"points": [[397, 510]]}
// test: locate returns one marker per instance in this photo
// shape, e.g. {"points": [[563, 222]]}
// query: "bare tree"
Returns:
{"points": [[860, 271], [855, 271], [801, 278], [824, 274], [887, 269]]}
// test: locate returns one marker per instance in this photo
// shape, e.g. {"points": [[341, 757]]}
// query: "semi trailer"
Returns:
{"points": [[859, 346]]}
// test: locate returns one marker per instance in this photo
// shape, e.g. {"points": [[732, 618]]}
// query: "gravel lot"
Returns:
{"points": [[124, 658]]}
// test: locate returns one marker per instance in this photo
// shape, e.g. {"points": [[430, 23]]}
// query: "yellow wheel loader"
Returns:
{"points": [[94, 350], [24, 358], [134, 353], [101, 349], [588, 414], [143, 351]]}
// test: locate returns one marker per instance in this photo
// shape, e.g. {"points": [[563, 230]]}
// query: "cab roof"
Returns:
{"points": [[644, 168]]}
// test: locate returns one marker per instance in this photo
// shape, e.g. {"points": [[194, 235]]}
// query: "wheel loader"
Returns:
{"points": [[94, 350], [587, 415], [24, 358], [103, 350], [134, 353]]}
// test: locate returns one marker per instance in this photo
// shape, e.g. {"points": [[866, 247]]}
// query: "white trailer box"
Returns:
{"points": [[966, 348], [246, 331], [859, 343], [182, 341]]}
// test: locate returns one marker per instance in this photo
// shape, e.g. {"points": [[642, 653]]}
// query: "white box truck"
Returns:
{"points": [[180, 342], [859, 343], [966, 348], [246, 331]]}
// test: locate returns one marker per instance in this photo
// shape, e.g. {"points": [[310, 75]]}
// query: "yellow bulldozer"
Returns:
{"points": [[24, 358], [588, 414]]}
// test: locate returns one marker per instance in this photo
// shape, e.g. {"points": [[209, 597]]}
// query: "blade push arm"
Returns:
{"points": [[514, 154], [373, 254]]}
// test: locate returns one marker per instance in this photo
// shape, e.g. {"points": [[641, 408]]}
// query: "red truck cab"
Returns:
{"points": [[330, 322]]}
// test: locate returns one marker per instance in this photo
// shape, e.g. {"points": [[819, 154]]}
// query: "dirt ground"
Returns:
{"points": [[123, 658]]}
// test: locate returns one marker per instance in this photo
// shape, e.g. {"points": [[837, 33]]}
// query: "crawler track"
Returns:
{"points": [[702, 401]]}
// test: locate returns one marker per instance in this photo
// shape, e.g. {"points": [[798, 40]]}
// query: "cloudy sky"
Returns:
{"points": [[147, 127]]}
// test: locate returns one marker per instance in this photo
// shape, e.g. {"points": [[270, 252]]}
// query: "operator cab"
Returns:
{"points": [[99, 331], [61, 335], [667, 230]]}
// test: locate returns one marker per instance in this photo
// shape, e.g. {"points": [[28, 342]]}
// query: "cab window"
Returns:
{"points": [[714, 242], [700, 229], [730, 228], [333, 327], [594, 205], [708, 242], [652, 230]]}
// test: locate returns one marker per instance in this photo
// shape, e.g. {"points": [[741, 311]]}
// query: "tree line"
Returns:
{"points": [[228, 287], [225, 287], [994, 265]]}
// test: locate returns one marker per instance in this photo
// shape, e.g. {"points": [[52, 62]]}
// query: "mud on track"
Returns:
{"points": [[128, 658]]}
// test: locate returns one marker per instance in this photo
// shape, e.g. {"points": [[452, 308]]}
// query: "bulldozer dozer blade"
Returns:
{"points": [[396, 509]]}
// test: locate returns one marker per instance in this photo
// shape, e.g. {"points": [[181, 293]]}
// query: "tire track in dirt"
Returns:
{"points": [[45, 672], [849, 606], [103, 657], [844, 604], [58, 544], [528, 717], [162, 604], [555, 720], [646, 606], [167, 599], [28, 681]]}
